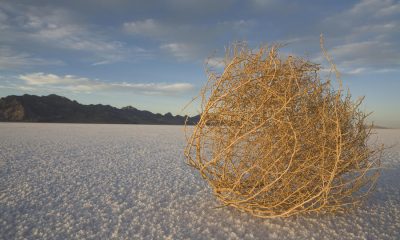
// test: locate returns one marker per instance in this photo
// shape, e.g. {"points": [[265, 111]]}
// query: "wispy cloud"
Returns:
{"points": [[83, 84], [43, 79], [62, 34], [147, 27], [261, 3], [391, 9], [155, 88], [3, 20], [10, 59], [377, 8], [58, 29], [188, 41], [365, 53], [367, 15], [165, 34], [215, 62], [365, 36], [181, 51], [357, 71]]}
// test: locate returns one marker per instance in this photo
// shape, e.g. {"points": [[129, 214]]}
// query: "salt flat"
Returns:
{"points": [[92, 181]]}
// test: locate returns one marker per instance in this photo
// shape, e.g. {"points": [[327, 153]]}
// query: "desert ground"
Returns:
{"points": [[94, 181]]}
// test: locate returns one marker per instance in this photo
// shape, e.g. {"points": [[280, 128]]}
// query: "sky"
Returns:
{"points": [[152, 54]]}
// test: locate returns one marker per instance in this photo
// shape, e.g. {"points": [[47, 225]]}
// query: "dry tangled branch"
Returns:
{"points": [[274, 139]]}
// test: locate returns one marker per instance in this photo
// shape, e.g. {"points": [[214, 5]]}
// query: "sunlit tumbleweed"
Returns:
{"points": [[276, 139]]}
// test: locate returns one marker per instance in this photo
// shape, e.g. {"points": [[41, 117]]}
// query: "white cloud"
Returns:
{"points": [[216, 62], [42, 79], [82, 84], [181, 51], [148, 27]]}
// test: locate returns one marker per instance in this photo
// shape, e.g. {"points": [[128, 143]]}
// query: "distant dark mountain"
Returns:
{"points": [[54, 108]]}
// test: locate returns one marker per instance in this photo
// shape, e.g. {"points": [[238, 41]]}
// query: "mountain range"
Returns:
{"points": [[54, 108]]}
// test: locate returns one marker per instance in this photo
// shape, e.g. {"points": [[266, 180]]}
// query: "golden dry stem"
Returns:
{"points": [[274, 139]]}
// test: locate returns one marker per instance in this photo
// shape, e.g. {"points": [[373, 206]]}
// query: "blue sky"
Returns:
{"points": [[151, 54]]}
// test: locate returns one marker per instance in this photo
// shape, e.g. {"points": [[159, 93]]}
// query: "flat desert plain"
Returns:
{"points": [[92, 181]]}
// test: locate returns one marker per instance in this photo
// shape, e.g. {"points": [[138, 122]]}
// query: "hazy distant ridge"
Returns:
{"points": [[54, 108]]}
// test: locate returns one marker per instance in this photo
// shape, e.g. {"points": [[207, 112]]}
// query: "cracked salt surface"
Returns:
{"points": [[83, 181]]}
